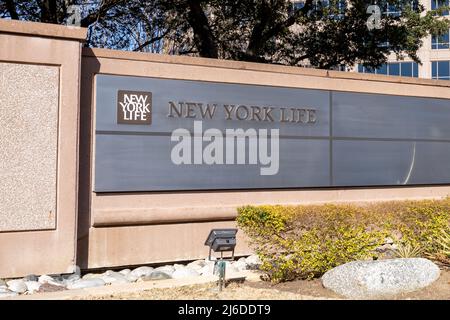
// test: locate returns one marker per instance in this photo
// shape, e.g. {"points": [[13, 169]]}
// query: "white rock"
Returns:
{"points": [[230, 267], [92, 276], [142, 271], [44, 279], [210, 262], [17, 286], [156, 275], [125, 271], [168, 269], [5, 293], [207, 270], [178, 266], [253, 262], [184, 273], [71, 278], [50, 280], [111, 277], [197, 265], [32, 286], [131, 278], [200, 263], [240, 265], [380, 278], [86, 283]]}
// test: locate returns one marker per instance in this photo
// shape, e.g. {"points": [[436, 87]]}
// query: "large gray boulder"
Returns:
{"points": [[381, 278]]}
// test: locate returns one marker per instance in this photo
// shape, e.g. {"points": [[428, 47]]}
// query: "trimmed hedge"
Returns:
{"points": [[303, 242]]}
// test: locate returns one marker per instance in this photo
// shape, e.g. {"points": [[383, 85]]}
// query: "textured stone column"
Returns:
{"points": [[39, 107]]}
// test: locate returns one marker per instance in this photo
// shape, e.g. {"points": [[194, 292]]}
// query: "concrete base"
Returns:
{"points": [[138, 245]]}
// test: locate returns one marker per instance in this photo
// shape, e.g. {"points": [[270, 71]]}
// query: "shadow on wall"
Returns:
{"points": [[85, 158]]}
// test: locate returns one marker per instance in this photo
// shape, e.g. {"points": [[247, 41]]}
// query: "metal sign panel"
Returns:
{"points": [[159, 134]]}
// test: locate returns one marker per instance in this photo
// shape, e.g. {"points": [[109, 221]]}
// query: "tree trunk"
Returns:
{"points": [[11, 7], [203, 36], [48, 11]]}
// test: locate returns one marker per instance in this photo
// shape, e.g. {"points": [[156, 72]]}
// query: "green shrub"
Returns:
{"points": [[442, 254], [306, 241]]}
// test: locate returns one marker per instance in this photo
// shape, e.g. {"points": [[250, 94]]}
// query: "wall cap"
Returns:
{"points": [[39, 29], [251, 66]]}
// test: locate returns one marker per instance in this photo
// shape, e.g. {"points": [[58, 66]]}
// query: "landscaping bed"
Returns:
{"points": [[304, 242], [291, 290]]}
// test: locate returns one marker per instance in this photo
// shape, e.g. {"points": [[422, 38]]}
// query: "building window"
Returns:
{"points": [[341, 7], [318, 5], [436, 4], [297, 5], [395, 9], [392, 10], [404, 69], [440, 42], [440, 70]]}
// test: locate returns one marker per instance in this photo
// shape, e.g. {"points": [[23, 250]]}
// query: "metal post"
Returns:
{"points": [[221, 265]]}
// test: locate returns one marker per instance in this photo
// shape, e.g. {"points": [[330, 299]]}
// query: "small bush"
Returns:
{"points": [[306, 241], [408, 251], [442, 254]]}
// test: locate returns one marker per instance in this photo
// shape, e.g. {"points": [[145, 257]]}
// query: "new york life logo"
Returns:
{"points": [[134, 107]]}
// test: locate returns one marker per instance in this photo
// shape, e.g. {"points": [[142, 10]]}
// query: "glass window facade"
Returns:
{"points": [[296, 5], [436, 4], [404, 69], [340, 6], [440, 70], [440, 42], [395, 8]]}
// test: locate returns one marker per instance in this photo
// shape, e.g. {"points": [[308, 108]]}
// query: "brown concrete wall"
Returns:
{"points": [[39, 95], [138, 228]]}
